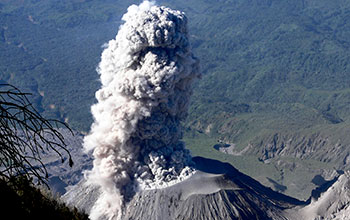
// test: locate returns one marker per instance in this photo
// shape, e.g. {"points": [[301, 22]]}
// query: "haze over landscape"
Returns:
{"points": [[273, 102]]}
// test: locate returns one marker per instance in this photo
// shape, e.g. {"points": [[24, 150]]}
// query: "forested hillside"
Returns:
{"points": [[275, 89]]}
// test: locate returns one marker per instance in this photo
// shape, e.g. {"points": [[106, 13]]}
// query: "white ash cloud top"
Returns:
{"points": [[146, 73]]}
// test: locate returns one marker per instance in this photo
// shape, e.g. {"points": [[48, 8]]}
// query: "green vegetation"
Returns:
{"points": [[51, 49], [24, 137], [270, 54], [293, 174], [21, 200], [276, 58], [202, 145], [275, 73]]}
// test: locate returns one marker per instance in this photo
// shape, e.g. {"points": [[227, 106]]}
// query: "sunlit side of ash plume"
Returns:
{"points": [[146, 74]]}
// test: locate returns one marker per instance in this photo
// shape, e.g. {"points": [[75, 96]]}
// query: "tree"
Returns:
{"points": [[25, 135]]}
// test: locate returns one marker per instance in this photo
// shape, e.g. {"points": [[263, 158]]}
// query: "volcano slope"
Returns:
{"points": [[215, 191], [141, 168], [219, 191]]}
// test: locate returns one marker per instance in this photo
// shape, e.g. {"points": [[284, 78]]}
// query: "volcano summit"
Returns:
{"points": [[141, 169], [146, 74]]}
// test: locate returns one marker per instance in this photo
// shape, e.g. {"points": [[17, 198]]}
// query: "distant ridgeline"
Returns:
{"points": [[276, 84]]}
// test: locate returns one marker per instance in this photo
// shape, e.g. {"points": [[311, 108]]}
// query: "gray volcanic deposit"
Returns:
{"points": [[141, 169], [215, 191]]}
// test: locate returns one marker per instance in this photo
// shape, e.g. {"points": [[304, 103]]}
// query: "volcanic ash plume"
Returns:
{"points": [[146, 74]]}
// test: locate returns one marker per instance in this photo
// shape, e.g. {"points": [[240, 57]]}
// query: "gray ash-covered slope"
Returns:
{"points": [[216, 191], [333, 204], [60, 174]]}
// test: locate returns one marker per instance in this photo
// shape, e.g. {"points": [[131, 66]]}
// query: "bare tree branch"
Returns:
{"points": [[25, 135]]}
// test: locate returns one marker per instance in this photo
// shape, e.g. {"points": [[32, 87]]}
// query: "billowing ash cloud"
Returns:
{"points": [[146, 74]]}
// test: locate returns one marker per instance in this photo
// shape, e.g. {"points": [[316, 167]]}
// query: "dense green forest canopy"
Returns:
{"points": [[255, 55], [271, 59], [273, 70]]}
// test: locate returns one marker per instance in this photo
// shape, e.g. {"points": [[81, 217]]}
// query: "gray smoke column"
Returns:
{"points": [[146, 74]]}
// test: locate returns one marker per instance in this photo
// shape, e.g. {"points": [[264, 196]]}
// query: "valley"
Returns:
{"points": [[275, 78]]}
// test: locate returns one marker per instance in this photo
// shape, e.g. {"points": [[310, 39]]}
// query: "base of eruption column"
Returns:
{"points": [[215, 191]]}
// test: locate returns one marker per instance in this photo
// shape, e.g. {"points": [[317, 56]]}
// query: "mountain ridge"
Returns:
{"points": [[270, 67]]}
